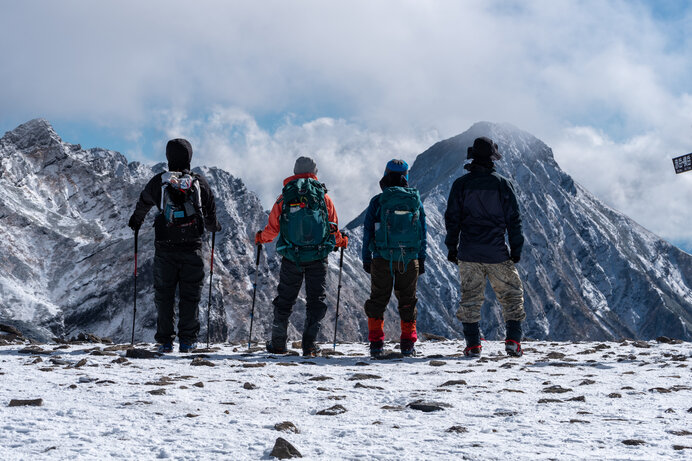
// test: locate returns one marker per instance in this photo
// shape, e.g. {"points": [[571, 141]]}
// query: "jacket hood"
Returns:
{"points": [[298, 176], [178, 154]]}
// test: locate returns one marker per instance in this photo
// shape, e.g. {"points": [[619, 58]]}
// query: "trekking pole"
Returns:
{"points": [[134, 311], [338, 294], [211, 274], [254, 294]]}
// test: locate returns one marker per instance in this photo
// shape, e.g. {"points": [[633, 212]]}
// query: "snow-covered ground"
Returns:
{"points": [[560, 401]]}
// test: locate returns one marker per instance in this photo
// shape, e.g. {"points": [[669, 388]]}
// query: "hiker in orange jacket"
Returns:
{"points": [[305, 221]]}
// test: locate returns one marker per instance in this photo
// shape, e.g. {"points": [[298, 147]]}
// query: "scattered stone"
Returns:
{"points": [[362, 376], [393, 408], [633, 442], [297, 344], [286, 426], [667, 340], [432, 337], [587, 382], [80, 364], [99, 352], [252, 365], [336, 397], [141, 354], [572, 421], [579, 398], [660, 390], [549, 401], [199, 384], [191, 415], [454, 382], [681, 447], [26, 403], [513, 390], [641, 344], [34, 350], [669, 410], [457, 429], [118, 347], [320, 378], [363, 386], [332, 411], [689, 410], [249, 386], [427, 407], [556, 355], [390, 355], [505, 413], [287, 364], [86, 379], [200, 362], [284, 450], [9, 329], [330, 352], [120, 360], [556, 389], [36, 360], [680, 433], [437, 363], [157, 392]]}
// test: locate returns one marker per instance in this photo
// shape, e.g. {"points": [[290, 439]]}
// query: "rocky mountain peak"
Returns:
{"points": [[34, 134]]}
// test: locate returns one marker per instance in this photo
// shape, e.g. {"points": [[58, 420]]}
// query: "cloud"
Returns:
{"points": [[359, 82]]}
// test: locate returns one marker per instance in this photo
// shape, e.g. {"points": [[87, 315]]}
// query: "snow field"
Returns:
{"points": [[102, 409]]}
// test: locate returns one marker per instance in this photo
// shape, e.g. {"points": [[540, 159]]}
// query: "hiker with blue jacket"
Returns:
{"points": [[482, 207], [304, 220], [394, 246]]}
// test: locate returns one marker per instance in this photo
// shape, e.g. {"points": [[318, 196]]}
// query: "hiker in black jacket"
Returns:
{"points": [[482, 206], [186, 207]]}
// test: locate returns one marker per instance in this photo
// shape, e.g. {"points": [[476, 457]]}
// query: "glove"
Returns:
{"points": [[134, 223], [258, 238], [344, 241], [216, 227], [421, 266], [367, 266], [452, 256], [516, 259]]}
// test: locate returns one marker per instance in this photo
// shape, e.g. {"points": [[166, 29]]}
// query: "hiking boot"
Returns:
{"points": [[473, 351], [165, 348], [376, 349], [312, 350], [513, 348], [275, 350], [407, 348], [187, 347]]}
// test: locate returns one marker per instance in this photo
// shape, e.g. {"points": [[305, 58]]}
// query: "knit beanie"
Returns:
{"points": [[305, 165], [397, 166]]}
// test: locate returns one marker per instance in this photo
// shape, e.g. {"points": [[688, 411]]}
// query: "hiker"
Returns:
{"points": [[482, 206], [394, 246], [186, 207], [304, 219]]}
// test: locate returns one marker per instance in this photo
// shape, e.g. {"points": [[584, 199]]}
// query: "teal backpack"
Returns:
{"points": [[399, 234], [304, 233]]}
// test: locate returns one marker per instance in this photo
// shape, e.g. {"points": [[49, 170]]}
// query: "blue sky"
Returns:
{"points": [[254, 84]]}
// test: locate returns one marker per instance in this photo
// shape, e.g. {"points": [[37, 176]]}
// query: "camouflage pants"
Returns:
{"points": [[504, 279]]}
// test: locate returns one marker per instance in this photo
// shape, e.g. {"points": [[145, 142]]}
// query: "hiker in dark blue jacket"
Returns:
{"points": [[482, 206], [394, 246]]}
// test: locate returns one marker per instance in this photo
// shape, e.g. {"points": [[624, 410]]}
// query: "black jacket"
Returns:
{"points": [[482, 205], [151, 196]]}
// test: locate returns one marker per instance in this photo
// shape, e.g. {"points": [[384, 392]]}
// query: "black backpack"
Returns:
{"points": [[181, 218]]}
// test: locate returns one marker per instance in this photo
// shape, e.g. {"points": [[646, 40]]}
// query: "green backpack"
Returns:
{"points": [[304, 233], [399, 234]]}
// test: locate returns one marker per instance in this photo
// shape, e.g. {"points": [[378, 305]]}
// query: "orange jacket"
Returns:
{"points": [[272, 230]]}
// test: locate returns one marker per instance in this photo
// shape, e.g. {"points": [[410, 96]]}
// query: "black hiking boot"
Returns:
{"points": [[473, 351], [513, 348], [311, 350], [376, 349], [272, 349], [407, 348]]}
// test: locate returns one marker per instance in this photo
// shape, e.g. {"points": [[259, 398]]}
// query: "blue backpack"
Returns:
{"points": [[304, 230], [399, 236]]}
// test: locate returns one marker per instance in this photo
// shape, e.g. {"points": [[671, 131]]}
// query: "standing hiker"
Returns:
{"points": [[482, 206], [186, 207], [394, 245], [305, 221]]}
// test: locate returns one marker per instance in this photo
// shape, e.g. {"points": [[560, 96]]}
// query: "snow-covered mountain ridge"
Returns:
{"points": [[67, 254]]}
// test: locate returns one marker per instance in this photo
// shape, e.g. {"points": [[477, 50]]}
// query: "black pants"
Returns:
{"points": [[290, 281], [182, 270], [403, 281]]}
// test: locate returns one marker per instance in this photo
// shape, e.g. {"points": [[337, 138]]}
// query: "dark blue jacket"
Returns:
{"points": [[372, 216], [482, 206]]}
